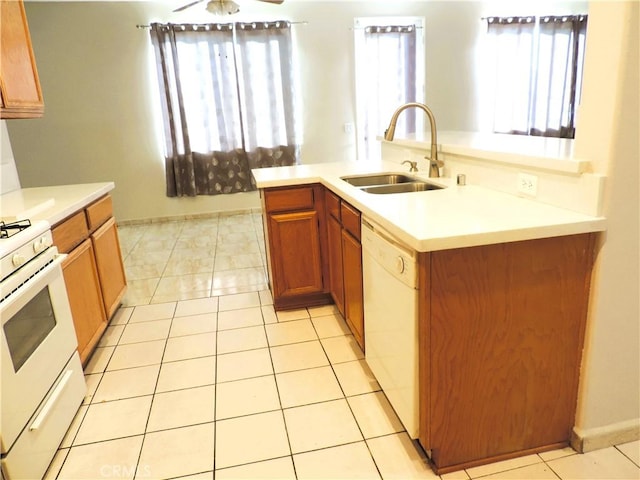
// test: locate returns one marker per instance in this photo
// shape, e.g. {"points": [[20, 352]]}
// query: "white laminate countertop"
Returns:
{"points": [[52, 204], [454, 217]]}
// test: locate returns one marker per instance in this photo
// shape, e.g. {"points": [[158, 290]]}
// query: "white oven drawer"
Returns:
{"points": [[35, 447]]}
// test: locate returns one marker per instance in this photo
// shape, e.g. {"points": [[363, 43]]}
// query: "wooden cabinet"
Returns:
{"points": [[345, 262], [85, 297], [93, 271], [296, 237], [501, 336], [20, 93]]}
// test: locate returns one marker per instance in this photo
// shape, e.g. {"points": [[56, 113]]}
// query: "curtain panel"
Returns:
{"points": [[214, 132], [537, 73], [390, 65]]}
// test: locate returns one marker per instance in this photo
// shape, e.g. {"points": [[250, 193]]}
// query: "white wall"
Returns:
{"points": [[607, 134], [9, 180], [99, 90]]}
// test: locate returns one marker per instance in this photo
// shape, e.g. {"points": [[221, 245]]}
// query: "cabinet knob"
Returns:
{"points": [[400, 264]]}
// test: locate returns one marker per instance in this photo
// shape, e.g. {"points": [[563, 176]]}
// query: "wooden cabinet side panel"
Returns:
{"points": [[353, 294], [506, 336], [19, 83], [334, 251], [110, 267], [424, 348], [85, 297], [295, 253]]}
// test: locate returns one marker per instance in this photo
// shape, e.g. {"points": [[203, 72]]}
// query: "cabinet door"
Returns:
{"points": [[353, 303], [85, 297], [109, 263], [20, 92], [295, 253], [334, 248]]}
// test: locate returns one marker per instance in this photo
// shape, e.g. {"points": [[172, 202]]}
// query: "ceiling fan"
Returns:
{"points": [[222, 7]]}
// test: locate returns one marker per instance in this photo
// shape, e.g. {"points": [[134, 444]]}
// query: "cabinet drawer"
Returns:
{"points": [[70, 232], [286, 199], [99, 212], [333, 204], [350, 219]]}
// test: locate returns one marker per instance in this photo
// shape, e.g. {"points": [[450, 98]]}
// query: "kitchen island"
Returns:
{"points": [[503, 288]]}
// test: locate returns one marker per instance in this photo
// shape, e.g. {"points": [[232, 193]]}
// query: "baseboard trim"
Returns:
{"points": [[586, 440]]}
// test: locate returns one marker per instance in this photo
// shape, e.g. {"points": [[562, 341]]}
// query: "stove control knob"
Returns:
{"points": [[41, 244], [18, 259]]}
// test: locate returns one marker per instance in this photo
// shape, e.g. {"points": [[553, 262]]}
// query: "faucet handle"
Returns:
{"points": [[413, 165]]}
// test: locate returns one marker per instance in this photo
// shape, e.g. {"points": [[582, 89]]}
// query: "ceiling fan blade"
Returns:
{"points": [[278, 2], [184, 7]]}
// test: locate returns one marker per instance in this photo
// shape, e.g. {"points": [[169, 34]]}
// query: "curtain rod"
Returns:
{"points": [[141, 26]]}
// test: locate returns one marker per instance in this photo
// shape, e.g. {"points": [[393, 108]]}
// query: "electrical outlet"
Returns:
{"points": [[528, 184], [348, 127]]}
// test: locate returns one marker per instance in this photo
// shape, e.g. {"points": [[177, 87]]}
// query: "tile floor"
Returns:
{"points": [[222, 387]]}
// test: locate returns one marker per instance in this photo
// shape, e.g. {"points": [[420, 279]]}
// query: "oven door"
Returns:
{"points": [[37, 339]]}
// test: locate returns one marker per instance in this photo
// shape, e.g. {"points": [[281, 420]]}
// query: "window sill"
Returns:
{"points": [[551, 154]]}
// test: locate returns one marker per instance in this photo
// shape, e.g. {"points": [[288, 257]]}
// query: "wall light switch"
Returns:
{"points": [[528, 184]]}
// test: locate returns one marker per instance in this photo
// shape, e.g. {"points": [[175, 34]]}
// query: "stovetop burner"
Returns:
{"points": [[9, 229]]}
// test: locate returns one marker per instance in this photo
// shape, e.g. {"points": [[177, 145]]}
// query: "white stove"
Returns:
{"points": [[42, 383]]}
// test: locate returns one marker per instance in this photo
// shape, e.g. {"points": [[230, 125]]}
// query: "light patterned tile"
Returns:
{"points": [[146, 313], [277, 469], [92, 385], [111, 459], [355, 378], [99, 360], [265, 297], [188, 266], [56, 464], [193, 325], [397, 457], [245, 397], [122, 316], [145, 331], [190, 346], [247, 338], [187, 374], [178, 296], [312, 385], [245, 317], [182, 408], [196, 307], [132, 382], [269, 314], [290, 332], [607, 463], [288, 315], [559, 453], [237, 301], [537, 471], [110, 420], [351, 461], [321, 425], [323, 311], [191, 451], [505, 465], [111, 336], [250, 439], [67, 441], [342, 349], [184, 283], [374, 415], [298, 356], [248, 364], [330, 326], [631, 450], [238, 277], [136, 355]]}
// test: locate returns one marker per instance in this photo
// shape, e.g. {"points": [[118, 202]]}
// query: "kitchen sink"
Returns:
{"points": [[414, 186], [389, 183], [378, 179]]}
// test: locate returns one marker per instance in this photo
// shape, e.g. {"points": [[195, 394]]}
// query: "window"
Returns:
{"points": [[535, 67], [229, 103], [389, 56]]}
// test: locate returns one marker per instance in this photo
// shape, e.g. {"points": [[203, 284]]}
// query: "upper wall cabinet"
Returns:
{"points": [[20, 93]]}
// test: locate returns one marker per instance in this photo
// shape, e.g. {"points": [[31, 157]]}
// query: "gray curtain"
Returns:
{"points": [[214, 132]]}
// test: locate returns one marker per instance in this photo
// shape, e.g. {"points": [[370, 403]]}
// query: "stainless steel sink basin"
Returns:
{"points": [[414, 186], [378, 179]]}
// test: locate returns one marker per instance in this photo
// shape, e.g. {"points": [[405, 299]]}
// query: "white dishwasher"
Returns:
{"points": [[390, 283]]}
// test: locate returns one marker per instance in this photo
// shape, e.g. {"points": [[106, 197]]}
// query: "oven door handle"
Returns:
{"points": [[51, 401]]}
